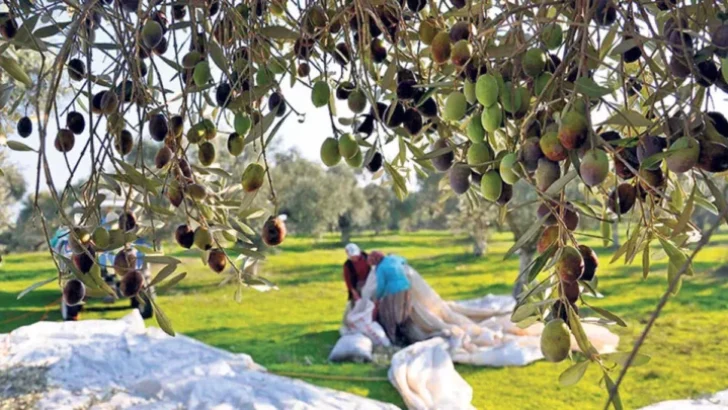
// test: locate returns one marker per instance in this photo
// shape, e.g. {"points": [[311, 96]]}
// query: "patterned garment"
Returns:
{"points": [[393, 313]]}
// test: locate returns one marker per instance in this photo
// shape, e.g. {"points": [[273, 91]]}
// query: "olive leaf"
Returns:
{"points": [[527, 236], [14, 70], [259, 129], [162, 319], [616, 401], [434, 153], [172, 282], [582, 340], [95, 275], [589, 87], [540, 262], [218, 55], [621, 358], [278, 33], [686, 214], [6, 91], [18, 146], [628, 118], [720, 201], [524, 311], [560, 183], [646, 260], [608, 315], [573, 374], [163, 274], [162, 259], [36, 286], [388, 78]]}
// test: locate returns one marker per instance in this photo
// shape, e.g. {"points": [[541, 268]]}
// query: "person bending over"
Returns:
{"points": [[356, 271], [393, 297]]}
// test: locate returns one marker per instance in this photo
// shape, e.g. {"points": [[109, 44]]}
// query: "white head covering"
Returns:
{"points": [[352, 250]]}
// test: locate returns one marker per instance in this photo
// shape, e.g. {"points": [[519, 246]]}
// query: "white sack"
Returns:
{"points": [[360, 320], [426, 379], [718, 401], [352, 348]]}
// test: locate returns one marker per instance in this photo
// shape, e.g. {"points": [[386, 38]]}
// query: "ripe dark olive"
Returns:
{"points": [[25, 127], [216, 260], [222, 94], [375, 164], [158, 127], [277, 104], [367, 126], [127, 221], [707, 73], [428, 108], [76, 69], [131, 283], [344, 89], [633, 54], [274, 232], [73, 292], [76, 122]]}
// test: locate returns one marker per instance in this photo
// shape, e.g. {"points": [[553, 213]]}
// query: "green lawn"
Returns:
{"points": [[293, 329]]}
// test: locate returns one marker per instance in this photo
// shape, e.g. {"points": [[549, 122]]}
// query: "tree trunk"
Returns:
{"points": [[525, 256], [479, 246], [615, 235], [345, 235]]}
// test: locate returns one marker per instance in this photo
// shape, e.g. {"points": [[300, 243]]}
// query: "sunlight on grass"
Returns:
{"points": [[293, 329]]}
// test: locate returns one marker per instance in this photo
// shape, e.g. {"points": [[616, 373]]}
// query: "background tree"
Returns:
{"points": [[316, 200], [28, 233], [381, 201], [12, 189], [474, 221]]}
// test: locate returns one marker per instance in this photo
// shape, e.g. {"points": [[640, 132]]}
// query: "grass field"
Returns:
{"points": [[293, 329]]}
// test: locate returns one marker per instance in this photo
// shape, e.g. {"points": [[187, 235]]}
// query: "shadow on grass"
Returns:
{"points": [[473, 265], [495, 289], [36, 298], [273, 343], [11, 319], [8, 275], [385, 245]]}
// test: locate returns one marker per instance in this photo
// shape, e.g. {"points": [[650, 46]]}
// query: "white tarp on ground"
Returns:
{"points": [[120, 364], [478, 332], [718, 401]]}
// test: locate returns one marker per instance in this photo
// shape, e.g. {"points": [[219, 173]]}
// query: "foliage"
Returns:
{"points": [[615, 98], [381, 200], [12, 189], [17, 100], [314, 199], [474, 222], [28, 233]]}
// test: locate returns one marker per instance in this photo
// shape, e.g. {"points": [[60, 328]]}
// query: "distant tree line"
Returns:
{"points": [[317, 200]]}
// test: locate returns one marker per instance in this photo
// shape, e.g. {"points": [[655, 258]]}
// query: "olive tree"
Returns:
{"points": [[12, 189], [616, 97]]}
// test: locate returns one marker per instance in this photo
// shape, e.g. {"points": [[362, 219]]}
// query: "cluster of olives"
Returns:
{"points": [[8, 26], [170, 129], [85, 244]]}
